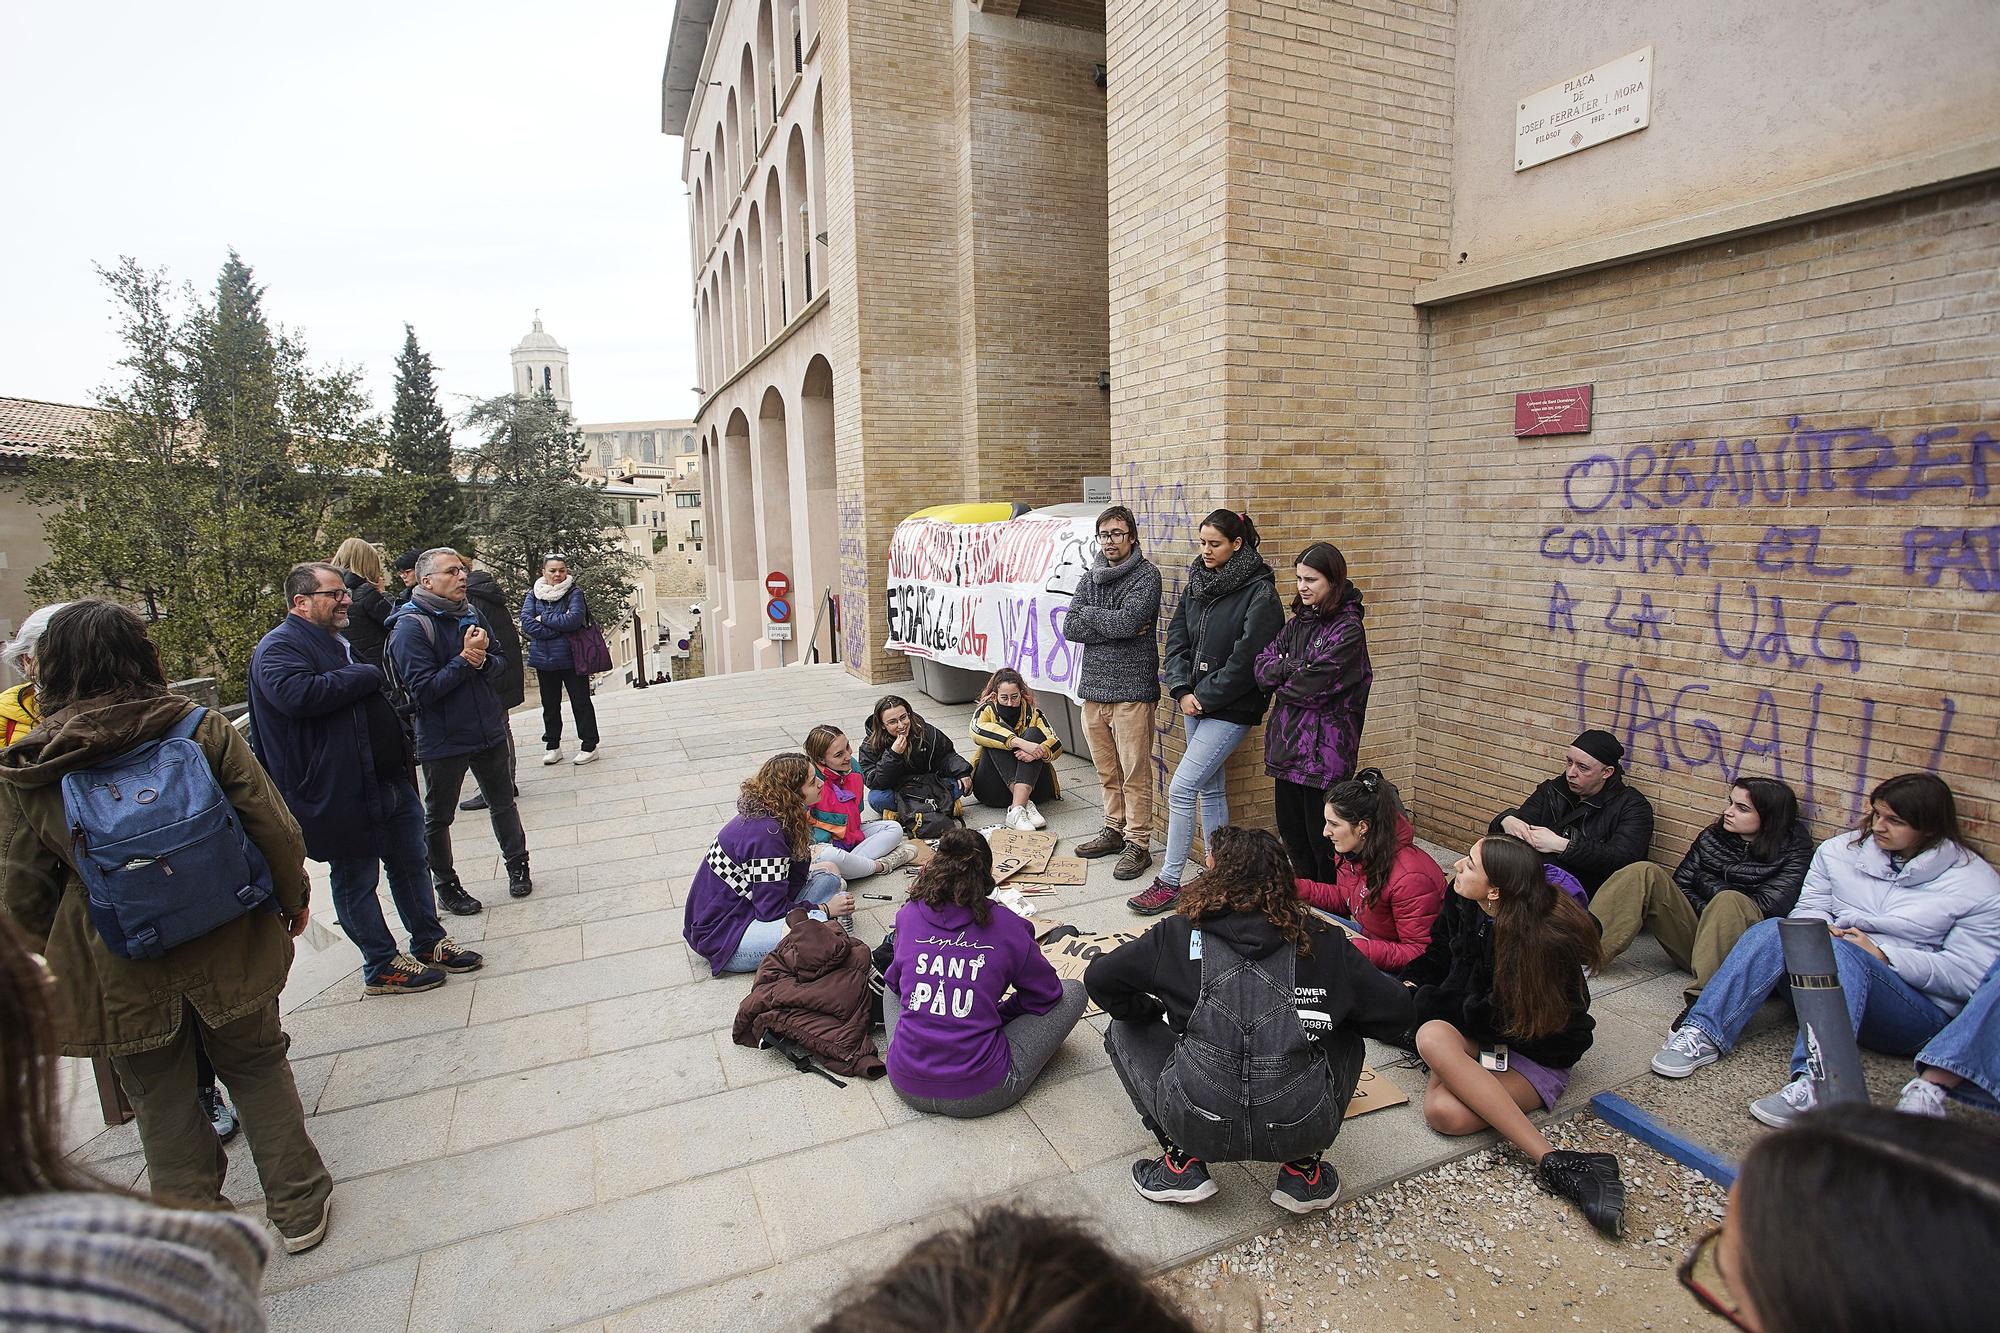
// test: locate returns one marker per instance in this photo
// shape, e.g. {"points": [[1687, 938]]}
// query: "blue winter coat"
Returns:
{"points": [[548, 626], [458, 711], [309, 726]]}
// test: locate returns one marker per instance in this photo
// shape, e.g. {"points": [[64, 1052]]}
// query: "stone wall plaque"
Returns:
{"points": [[1594, 107]]}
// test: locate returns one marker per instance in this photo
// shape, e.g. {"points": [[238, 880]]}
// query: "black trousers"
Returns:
{"points": [[578, 685], [993, 778], [1301, 823]]}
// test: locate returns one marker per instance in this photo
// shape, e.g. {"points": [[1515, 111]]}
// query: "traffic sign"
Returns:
{"points": [[778, 610], [777, 583]]}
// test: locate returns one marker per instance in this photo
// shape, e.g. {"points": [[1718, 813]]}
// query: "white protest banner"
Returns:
{"points": [[987, 595]]}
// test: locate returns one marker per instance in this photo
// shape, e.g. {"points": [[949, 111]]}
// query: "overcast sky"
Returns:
{"points": [[448, 163]]}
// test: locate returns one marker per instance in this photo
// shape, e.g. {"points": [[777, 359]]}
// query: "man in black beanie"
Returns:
{"points": [[1587, 821], [406, 570]]}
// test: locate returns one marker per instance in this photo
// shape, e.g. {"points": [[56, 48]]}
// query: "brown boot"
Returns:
{"points": [[1107, 841], [1132, 862]]}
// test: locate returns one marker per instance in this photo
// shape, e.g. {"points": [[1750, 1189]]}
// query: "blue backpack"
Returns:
{"points": [[161, 851]]}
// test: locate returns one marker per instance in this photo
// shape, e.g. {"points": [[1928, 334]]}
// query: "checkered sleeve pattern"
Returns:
{"points": [[742, 876]]}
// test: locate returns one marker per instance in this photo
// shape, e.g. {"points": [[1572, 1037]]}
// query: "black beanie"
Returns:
{"points": [[408, 560], [1601, 746]]}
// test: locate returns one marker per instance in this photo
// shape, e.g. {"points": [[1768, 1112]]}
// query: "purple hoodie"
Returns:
{"points": [[748, 875], [950, 973]]}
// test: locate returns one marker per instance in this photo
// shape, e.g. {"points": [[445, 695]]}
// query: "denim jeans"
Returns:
{"points": [[1210, 742], [763, 936], [1969, 1045], [878, 839], [443, 779], [884, 801], [355, 877], [1889, 1014]]}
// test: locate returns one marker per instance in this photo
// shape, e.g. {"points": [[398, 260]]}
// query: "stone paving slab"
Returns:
{"points": [[570, 1139]]}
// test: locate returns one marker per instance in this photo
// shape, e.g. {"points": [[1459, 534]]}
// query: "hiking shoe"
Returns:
{"points": [[552, 755], [476, 801], [1787, 1104], [1920, 1096], [1156, 899], [583, 757], [1017, 818], [404, 976], [216, 1108], [1107, 841], [1590, 1181], [1035, 820], [1172, 1177], [901, 856], [305, 1240], [1305, 1187], [1133, 862], [446, 956], [453, 898], [1686, 1051], [518, 883]]}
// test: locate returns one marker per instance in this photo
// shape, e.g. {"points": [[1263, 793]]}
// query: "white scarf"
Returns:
{"points": [[554, 592]]}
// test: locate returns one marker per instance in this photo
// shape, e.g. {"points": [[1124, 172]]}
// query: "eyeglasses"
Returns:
{"points": [[331, 592], [1114, 535], [1701, 1273]]}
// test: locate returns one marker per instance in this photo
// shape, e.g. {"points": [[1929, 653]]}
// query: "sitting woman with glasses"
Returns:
{"points": [[1857, 1219]]}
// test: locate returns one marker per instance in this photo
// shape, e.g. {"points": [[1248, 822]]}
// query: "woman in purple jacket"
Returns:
{"points": [[956, 1047], [1317, 674], [758, 869]]}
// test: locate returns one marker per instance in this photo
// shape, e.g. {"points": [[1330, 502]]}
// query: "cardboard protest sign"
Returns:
{"points": [[1061, 872], [1018, 851], [1069, 955], [1374, 1093]]}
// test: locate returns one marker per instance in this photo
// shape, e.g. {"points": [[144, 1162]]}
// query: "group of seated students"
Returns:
{"points": [[1484, 974]]}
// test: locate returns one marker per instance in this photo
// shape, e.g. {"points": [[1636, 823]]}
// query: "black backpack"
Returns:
{"points": [[927, 806], [398, 693]]}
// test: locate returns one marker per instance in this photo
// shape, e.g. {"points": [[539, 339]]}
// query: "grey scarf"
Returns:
{"points": [[1103, 573], [430, 601], [1211, 585]]}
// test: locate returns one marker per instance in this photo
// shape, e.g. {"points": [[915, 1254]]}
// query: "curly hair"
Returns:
{"points": [[774, 790], [1252, 874], [959, 874]]}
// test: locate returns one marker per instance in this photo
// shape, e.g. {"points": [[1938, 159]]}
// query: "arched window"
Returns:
{"points": [[548, 379]]}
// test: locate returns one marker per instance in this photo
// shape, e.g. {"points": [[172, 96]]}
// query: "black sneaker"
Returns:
{"points": [[446, 956], [1172, 1177], [1307, 1186], [1590, 1181], [453, 898], [518, 882], [216, 1108], [476, 801]]}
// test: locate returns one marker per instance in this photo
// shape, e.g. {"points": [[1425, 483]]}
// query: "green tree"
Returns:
{"points": [[530, 498], [221, 459], [420, 451]]}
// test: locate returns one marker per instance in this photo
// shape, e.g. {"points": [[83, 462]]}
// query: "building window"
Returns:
{"points": [[548, 379], [694, 531], [687, 499]]}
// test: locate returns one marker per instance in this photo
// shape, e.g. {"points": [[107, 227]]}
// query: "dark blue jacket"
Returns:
{"points": [[548, 626], [458, 711], [309, 727]]}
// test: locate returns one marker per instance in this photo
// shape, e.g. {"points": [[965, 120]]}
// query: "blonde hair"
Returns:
{"points": [[359, 556]]}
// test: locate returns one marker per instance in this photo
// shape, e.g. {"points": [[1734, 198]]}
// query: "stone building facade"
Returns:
{"points": [[1325, 276]]}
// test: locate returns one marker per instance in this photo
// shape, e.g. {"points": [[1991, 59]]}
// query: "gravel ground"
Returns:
{"points": [[1475, 1243]]}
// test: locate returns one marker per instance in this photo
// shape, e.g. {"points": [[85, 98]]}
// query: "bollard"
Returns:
{"points": [[1833, 1057]]}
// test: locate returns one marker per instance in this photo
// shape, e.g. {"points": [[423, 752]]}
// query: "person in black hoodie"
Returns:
{"points": [[1226, 615], [360, 566], [511, 684], [1748, 866], [897, 745], [1587, 821], [1242, 947], [1503, 1012]]}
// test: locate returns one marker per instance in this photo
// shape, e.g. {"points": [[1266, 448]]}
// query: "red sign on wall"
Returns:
{"points": [[777, 583], [1552, 411]]}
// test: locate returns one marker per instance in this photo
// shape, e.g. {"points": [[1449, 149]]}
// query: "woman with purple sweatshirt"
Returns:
{"points": [[956, 1047]]}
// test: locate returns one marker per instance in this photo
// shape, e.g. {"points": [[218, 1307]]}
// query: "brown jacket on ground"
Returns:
{"points": [[813, 988], [107, 1005]]}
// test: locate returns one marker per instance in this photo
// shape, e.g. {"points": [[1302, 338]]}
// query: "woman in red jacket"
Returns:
{"points": [[1385, 883]]}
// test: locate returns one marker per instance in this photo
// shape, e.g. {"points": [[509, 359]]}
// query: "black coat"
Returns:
{"points": [[1212, 649], [930, 751], [1606, 832], [367, 619], [1717, 860], [309, 724], [1454, 981], [484, 592]]}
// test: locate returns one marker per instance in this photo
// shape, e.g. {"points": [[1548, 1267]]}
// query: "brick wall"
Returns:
{"points": [[1566, 581]]}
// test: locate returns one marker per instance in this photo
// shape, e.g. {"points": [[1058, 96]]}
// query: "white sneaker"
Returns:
{"points": [[1017, 818], [1686, 1051], [1922, 1097], [1035, 816], [551, 757], [583, 757]]}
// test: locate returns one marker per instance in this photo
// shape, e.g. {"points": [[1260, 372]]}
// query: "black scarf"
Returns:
{"points": [[1212, 585]]}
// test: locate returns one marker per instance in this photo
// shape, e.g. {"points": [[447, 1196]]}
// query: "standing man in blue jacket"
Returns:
{"points": [[333, 745], [443, 654]]}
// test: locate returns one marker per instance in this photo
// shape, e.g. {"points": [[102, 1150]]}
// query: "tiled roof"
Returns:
{"points": [[29, 426]]}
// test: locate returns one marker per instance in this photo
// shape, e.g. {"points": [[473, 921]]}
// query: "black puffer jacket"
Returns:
{"points": [[1606, 832], [367, 619], [484, 592], [1212, 648], [1454, 980], [929, 751], [1717, 860]]}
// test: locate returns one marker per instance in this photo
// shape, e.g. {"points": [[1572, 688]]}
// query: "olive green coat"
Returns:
{"points": [[109, 1005]]}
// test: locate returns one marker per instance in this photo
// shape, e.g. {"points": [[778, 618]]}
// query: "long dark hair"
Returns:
{"points": [[1252, 874], [95, 649], [1857, 1216], [1777, 807], [959, 874], [1007, 1270], [1371, 799], [1009, 676], [1921, 800], [31, 1154], [878, 735], [1233, 526], [1326, 559], [1542, 941]]}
